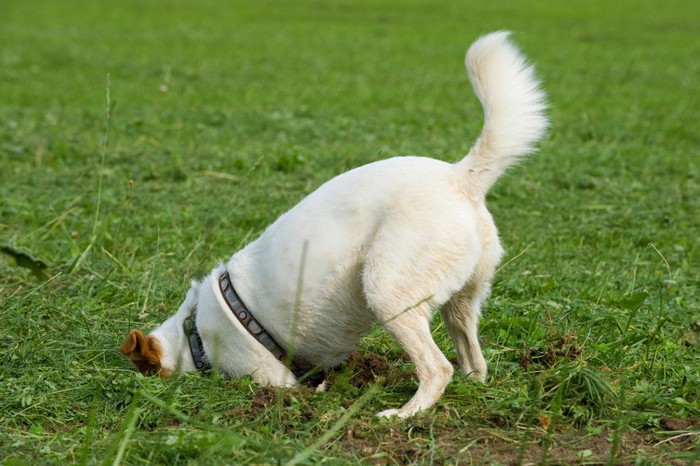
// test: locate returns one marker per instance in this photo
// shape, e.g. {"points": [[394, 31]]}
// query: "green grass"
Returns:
{"points": [[222, 115]]}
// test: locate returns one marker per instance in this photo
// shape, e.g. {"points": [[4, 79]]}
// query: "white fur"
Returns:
{"points": [[386, 242]]}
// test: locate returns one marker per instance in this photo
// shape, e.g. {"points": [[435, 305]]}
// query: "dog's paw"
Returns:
{"points": [[477, 376], [322, 387], [400, 413], [388, 413]]}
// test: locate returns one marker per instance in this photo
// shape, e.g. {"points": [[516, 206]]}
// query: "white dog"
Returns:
{"points": [[386, 242]]}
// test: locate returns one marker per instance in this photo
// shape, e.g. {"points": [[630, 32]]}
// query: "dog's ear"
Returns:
{"points": [[144, 352]]}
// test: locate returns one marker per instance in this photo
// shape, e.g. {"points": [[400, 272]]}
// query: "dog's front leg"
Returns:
{"points": [[274, 376], [411, 330]]}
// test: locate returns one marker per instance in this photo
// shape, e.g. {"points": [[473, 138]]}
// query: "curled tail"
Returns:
{"points": [[514, 106]]}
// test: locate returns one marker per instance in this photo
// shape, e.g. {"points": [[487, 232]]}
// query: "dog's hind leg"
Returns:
{"points": [[461, 313], [411, 330], [461, 317], [408, 272]]}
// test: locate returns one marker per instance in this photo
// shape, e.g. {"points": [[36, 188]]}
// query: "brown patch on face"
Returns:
{"points": [[144, 352]]}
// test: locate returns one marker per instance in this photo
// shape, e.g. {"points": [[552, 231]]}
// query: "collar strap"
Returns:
{"points": [[195, 341], [250, 323]]}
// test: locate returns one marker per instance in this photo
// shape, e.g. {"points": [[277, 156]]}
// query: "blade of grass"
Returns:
{"points": [[333, 431], [100, 176]]}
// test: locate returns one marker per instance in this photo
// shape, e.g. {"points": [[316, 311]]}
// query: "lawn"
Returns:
{"points": [[141, 142]]}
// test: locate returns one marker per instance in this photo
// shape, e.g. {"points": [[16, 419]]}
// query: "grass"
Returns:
{"points": [[142, 142]]}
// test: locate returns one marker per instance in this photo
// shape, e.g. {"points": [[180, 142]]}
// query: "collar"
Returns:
{"points": [[310, 376], [195, 341]]}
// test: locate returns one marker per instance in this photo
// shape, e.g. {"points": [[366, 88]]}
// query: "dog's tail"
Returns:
{"points": [[514, 106]]}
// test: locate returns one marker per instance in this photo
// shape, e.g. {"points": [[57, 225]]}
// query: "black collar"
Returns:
{"points": [[195, 341], [310, 376], [246, 318]]}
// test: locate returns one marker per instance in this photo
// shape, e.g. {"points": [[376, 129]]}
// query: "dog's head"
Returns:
{"points": [[145, 352], [166, 349]]}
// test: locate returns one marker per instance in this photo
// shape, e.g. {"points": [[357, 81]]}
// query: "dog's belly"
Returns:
{"points": [[330, 323], [315, 305]]}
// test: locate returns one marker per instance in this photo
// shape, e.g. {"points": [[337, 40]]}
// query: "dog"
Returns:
{"points": [[387, 242]]}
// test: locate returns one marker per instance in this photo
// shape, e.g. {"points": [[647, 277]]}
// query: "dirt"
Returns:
{"points": [[411, 444], [577, 447], [269, 396], [366, 368], [433, 438], [678, 424], [565, 348], [264, 397]]}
